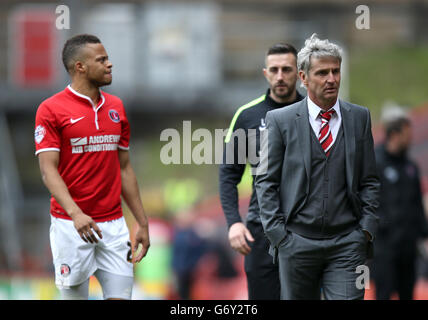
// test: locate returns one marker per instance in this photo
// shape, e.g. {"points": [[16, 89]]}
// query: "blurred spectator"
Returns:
{"points": [[219, 273], [402, 218], [187, 249]]}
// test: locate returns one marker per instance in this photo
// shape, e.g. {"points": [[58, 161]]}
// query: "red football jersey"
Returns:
{"points": [[87, 137]]}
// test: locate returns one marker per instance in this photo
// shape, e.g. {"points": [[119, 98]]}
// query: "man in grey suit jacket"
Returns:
{"points": [[319, 194]]}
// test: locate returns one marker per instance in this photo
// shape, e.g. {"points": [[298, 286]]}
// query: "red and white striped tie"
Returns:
{"points": [[325, 137]]}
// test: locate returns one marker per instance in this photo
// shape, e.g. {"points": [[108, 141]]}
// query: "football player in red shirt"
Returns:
{"points": [[82, 142]]}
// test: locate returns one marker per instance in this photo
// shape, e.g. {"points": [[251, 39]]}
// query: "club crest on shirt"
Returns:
{"points": [[39, 133], [391, 174], [114, 115], [65, 270]]}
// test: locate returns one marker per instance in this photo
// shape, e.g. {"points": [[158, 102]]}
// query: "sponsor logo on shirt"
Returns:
{"points": [[39, 133], [79, 141], [76, 120], [108, 142], [114, 115]]}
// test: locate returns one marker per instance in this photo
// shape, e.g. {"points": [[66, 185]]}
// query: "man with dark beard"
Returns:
{"points": [[281, 73]]}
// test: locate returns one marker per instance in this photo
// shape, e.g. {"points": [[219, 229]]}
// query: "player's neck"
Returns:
{"points": [[86, 89]]}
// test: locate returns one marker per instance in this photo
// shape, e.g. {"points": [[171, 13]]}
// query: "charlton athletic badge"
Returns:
{"points": [[65, 270], [114, 115]]}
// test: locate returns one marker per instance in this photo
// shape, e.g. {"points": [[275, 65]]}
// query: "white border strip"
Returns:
{"points": [[47, 149]]}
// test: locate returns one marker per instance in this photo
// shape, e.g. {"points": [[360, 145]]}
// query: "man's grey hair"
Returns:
{"points": [[314, 47]]}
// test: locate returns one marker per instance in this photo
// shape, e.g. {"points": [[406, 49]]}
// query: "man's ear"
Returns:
{"points": [[303, 78], [265, 72], [79, 66]]}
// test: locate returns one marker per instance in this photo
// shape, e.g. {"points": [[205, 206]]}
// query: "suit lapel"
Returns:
{"points": [[303, 135], [349, 135]]}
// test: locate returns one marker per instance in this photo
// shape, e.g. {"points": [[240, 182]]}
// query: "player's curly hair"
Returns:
{"points": [[72, 47], [314, 47]]}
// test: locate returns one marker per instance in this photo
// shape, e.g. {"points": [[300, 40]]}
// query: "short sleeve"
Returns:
{"points": [[46, 134], [125, 134]]}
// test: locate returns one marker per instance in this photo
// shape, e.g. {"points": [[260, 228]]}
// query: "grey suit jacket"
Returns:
{"points": [[283, 190]]}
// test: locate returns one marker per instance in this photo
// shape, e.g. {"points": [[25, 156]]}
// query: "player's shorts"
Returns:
{"points": [[75, 260]]}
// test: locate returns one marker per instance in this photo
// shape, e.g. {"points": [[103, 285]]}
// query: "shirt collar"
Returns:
{"points": [[314, 110], [272, 103], [82, 96]]}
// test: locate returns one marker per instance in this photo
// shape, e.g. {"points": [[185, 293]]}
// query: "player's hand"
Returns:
{"points": [[85, 227], [238, 236], [141, 237]]}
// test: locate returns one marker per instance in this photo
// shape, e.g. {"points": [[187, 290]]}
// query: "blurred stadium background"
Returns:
{"points": [[175, 61]]}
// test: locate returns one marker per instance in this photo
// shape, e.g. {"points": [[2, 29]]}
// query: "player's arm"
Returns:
{"points": [[131, 195], [48, 162], [229, 177], [230, 174]]}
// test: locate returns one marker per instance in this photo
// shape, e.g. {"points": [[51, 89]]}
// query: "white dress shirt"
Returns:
{"points": [[315, 119]]}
